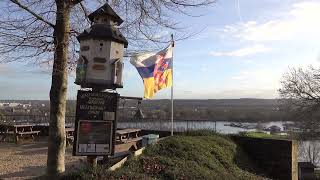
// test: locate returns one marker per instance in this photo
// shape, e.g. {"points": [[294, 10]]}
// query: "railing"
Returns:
{"points": [[30, 119], [165, 125], [38, 119], [147, 123]]}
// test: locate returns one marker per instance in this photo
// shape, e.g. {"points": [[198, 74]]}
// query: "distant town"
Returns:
{"points": [[235, 110]]}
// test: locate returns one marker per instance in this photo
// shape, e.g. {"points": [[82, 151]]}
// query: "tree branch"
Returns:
{"points": [[85, 12], [33, 13]]}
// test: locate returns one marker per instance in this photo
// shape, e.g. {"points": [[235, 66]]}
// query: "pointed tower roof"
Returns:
{"points": [[103, 31], [106, 10]]}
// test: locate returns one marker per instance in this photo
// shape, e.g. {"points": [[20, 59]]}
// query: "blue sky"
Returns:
{"points": [[243, 51]]}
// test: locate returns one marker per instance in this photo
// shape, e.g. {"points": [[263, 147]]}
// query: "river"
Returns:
{"points": [[182, 126]]}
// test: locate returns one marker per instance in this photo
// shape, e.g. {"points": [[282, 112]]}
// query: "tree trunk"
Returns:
{"points": [[58, 91]]}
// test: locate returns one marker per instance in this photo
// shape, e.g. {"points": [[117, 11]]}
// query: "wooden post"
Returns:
{"points": [[215, 126], [15, 134], [92, 161]]}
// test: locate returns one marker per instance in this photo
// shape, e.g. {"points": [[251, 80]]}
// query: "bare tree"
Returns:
{"points": [[300, 96], [309, 151], [43, 31], [301, 89]]}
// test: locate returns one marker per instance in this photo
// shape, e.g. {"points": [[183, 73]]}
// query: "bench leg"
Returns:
{"points": [[16, 138], [3, 138]]}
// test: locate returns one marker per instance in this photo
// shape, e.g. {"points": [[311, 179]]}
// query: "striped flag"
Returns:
{"points": [[155, 70]]}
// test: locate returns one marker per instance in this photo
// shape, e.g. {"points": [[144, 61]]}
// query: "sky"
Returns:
{"points": [[243, 50]]}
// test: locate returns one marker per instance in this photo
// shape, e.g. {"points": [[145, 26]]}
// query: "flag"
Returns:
{"points": [[155, 70]]}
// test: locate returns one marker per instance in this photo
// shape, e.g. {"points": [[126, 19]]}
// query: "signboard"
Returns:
{"points": [[95, 123], [94, 137], [96, 105]]}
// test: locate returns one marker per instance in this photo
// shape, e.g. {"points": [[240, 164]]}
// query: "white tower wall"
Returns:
{"points": [[101, 56]]}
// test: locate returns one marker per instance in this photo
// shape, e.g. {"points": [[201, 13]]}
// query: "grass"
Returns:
{"points": [[196, 155], [256, 134], [317, 172]]}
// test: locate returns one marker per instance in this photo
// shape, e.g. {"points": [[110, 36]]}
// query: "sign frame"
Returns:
{"points": [[102, 111], [78, 153]]}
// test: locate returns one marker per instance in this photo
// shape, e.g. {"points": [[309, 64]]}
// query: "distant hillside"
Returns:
{"points": [[216, 102], [244, 110], [184, 102], [241, 110]]}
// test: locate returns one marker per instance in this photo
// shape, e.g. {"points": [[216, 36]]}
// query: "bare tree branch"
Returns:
{"points": [[147, 25], [300, 96], [85, 11], [31, 12]]}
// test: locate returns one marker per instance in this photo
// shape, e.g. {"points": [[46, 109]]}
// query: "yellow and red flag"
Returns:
{"points": [[155, 70]]}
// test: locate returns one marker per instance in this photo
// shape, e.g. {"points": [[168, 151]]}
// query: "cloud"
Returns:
{"points": [[262, 78], [242, 52], [301, 22], [204, 69], [231, 93], [246, 93], [241, 76], [161, 34], [4, 69]]}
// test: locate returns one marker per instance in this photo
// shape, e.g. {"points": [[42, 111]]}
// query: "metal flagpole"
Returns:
{"points": [[172, 44]]}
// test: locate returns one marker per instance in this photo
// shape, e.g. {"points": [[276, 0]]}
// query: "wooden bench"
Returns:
{"points": [[18, 132], [29, 132], [69, 140], [22, 135], [124, 135], [69, 136], [128, 145], [6, 134]]}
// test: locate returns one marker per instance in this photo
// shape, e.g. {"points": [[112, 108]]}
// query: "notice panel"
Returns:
{"points": [[96, 105], [94, 137], [95, 123]]}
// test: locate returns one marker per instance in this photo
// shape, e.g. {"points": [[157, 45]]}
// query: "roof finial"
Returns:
{"points": [[107, 12]]}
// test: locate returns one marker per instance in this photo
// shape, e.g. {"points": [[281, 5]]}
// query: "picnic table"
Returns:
{"points": [[18, 131], [125, 135], [69, 135]]}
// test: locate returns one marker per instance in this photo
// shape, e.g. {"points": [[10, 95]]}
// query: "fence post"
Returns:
{"points": [[187, 126], [215, 126]]}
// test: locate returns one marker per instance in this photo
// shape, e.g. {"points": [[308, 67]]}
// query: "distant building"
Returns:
{"points": [[306, 171], [3, 105], [14, 105], [20, 110], [274, 129]]}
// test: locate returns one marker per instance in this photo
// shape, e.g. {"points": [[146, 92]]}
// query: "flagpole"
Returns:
{"points": [[172, 44]]}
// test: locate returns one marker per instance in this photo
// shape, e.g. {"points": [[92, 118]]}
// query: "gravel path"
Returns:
{"points": [[29, 160]]}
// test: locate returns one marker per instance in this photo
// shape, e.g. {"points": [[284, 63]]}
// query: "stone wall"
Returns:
{"points": [[276, 158]]}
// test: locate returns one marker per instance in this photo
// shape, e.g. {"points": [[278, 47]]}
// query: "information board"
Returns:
{"points": [[95, 123], [96, 105], [94, 137]]}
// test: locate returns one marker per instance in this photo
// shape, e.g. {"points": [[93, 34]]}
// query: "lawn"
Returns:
{"points": [[257, 134], [191, 156]]}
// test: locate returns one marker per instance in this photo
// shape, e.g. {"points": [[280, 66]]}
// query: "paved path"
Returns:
{"points": [[29, 160]]}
